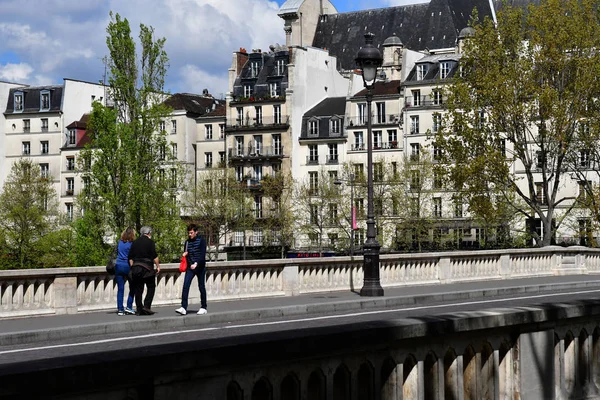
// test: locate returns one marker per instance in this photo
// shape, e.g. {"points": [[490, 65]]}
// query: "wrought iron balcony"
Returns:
{"points": [[250, 123], [252, 152]]}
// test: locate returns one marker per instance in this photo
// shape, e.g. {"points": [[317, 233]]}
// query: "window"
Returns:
{"points": [[362, 113], [240, 115], [378, 172], [377, 136], [585, 231], [458, 208], [416, 98], [437, 97], [162, 152], [444, 69], [421, 71], [173, 177], [257, 237], [222, 158], [239, 173], [392, 137], [540, 159], [173, 127], [314, 214], [238, 238], [313, 180], [335, 126], [415, 180], [481, 119], [333, 239], [332, 213], [254, 69], [45, 170], [276, 140], [44, 147], [277, 114], [18, 102], [174, 150], [26, 125], [72, 136], [358, 171], [313, 154], [584, 186], [584, 158], [239, 145], [161, 126], [248, 90], [380, 112], [358, 141], [257, 142], [415, 149], [258, 114], [503, 147], [25, 148], [414, 125], [280, 67], [313, 128], [208, 160], [436, 122], [258, 207], [221, 131], [70, 163], [437, 207], [69, 211], [258, 172], [274, 89], [44, 124], [70, 186], [333, 153], [437, 153], [333, 176], [208, 132], [539, 193], [44, 100]]}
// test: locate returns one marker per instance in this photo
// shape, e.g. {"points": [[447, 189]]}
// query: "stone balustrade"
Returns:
{"points": [[72, 290]]}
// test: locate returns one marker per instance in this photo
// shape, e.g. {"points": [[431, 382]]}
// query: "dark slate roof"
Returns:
{"points": [[31, 101], [219, 111], [431, 25], [194, 104], [328, 107], [323, 112], [267, 74], [433, 72], [382, 89]]}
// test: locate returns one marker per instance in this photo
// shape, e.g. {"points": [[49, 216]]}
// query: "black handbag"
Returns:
{"points": [[112, 262]]}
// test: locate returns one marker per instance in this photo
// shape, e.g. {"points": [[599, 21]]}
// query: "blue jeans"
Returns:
{"points": [[200, 272], [122, 276]]}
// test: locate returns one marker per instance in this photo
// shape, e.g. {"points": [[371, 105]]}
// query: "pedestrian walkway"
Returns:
{"points": [[60, 327]]}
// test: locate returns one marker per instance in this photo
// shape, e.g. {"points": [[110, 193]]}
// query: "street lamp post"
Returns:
{"points": [[368, 60], [352, 210]]}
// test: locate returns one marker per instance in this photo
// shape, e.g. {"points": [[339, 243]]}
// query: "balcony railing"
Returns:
{"points": [[424, 101], [332, 159], [376, 146], [254, 123], [386, 119], [253, 152]]}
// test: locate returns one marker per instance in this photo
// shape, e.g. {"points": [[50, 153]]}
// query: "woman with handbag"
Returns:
{"points": [[143, 258], [122, 272]]}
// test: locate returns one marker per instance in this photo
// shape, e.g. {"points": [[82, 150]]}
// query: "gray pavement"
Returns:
{"points": [[23, 331]]}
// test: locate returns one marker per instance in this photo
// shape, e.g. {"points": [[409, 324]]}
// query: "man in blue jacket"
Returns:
{"points": [[195, 252]]}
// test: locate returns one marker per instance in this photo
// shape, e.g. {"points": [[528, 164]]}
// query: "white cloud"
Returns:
{"points": [[15, 72], [195, 80]]}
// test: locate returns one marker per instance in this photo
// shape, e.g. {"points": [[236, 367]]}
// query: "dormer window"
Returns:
{"points": [[72, 136], [280, 67], [19, 102], [313, 127], [421, 71], [444, 69], [254, 69], [335, 125], [44, 100], [274, 89], [247, 90]]}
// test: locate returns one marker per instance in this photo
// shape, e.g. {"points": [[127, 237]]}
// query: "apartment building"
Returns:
{"points": [[35, 126]]}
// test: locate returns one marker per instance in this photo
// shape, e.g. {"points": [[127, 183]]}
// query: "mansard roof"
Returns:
{"points": [[432, 25], [267, 74], [331, 108], [195, 105], [382, 89], [31, 99], [81, 124], [328, 107]]}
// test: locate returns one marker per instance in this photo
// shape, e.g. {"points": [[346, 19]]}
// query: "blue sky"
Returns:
{"points": [[44, 41]]}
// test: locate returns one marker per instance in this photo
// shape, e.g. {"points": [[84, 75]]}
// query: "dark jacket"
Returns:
{"points": [[196, 249], [143, 252]]}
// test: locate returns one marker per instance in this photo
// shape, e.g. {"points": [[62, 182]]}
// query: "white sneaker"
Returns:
{"points": [[181, 311], [202, 311]]}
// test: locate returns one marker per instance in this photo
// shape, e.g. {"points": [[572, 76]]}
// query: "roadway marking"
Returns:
{"points": [[290, 321]]}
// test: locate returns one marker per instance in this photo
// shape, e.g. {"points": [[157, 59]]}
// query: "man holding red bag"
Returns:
{"points": [[195, 253]]}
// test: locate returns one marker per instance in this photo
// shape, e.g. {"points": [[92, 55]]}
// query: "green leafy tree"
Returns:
{"points": [[28, 212], [526, 85], [280, 219], [130, 179]]}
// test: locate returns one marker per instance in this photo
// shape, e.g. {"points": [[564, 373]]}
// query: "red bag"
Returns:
{"points": [[183, 264]]}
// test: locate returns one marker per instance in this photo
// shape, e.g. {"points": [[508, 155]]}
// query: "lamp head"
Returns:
{"points": [[368, 60]]}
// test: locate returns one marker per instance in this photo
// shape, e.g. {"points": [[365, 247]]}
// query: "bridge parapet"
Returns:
{"points": [[72, 290]]}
